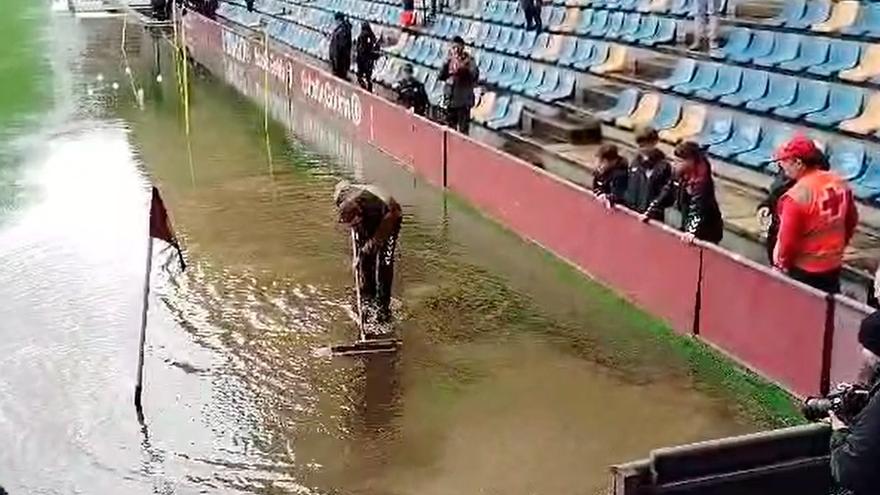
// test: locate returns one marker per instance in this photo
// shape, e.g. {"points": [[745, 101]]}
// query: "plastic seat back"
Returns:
{"points": [[847, 158]]}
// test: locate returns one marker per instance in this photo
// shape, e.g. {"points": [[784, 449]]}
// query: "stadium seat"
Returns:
{"points": [[842, 55], [844, 102], [728, 82], [585, 22], [791, 10], [625, 105], [786, 49], [681, 74], [599, 23], [519, 75], [657, 6], [680, 7], [628, 28], [668, 115], [704, 78], [647, 29], [549, 84], [781, 91], [568, 50], [814, 51], [570, 22], [615, 24], [498, 71], [564, 89], [761, 45], [535, 79], [868, 67], [511, 119], [867, 21], [745, 137], [500, 109], [645, 111], [843, 15], [527, 45], [552, 16], [481, 111], [754, 86], [869, 121], [817, 11], [665, 33], [772, 137], [516, 40], [693, 117], [615, 62], [736, 43], [867, 187], [847, 158], [716, 129], [812, 96], [591, 53]]}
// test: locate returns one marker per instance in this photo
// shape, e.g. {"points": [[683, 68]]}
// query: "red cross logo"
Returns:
{"points": [[832, 202]]}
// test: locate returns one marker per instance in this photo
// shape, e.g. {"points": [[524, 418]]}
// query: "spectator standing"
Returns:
{"points": [[705, 14], [609, 183], [366, 54], [855, 448], [817, 218], [648, 173], [411, 92], [250, 5], [532, 11], [340, 47], [461, 74], [694, 192]]}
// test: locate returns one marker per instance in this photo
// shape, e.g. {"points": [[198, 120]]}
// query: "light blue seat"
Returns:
{"points": [[791, 11], [502, 106], [772, 138], [548, 85], [565, 88], [516, 39], [585, 23], [615, 24], [535, 79], [728, 82], [812, 96], [745, 137], [518, 75], [599, 23], [844, 103], [817, 11], [665, 33], [497, 71], [736, 43], [514, 114], [867, 187], [847, 158], [552, 16], [624, 106], [527, 44], [813, 51], [680, 7], [716, 130], [541, 42], [761, 45], [598, 55], [786, 49], [569, 48], [781, 91], [668, 114], [704, 78], [867, 22], [628, 4], [681, 74], [842, 55], [628, 28], [647, 29]]}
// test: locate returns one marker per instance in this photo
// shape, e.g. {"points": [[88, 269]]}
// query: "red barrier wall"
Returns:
{"points": [[764, 319], [846, 352], [609, 244]]}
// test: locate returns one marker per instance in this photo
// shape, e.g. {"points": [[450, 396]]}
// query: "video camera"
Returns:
{"points": [[846, 402]]}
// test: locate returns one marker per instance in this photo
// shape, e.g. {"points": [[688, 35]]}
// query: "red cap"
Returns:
{"points": [[798, 147]]}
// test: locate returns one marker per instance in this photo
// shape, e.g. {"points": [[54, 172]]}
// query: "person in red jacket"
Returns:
{"points": [[817, 217]]}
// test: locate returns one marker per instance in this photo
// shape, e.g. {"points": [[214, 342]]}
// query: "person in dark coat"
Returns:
{"points": [[648, 173], [250, 5], [461, 74], [532, 11], [366, 54], [694, 190], [340, 47], [609, 183], [411, 92], [855, 448]]}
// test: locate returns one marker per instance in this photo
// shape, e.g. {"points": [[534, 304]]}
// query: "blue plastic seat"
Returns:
{"points": [[665, 33], [552, 16], [493, 75], [844, 103], [624, 106], [737, 42], [761, 45], [867, 22], [535, 79], [598, 54], [585, 23], [847, 158], [817, 11], [716, 130], [680, 7], [548, 85], [518, 75], [646, 29], [842, 55], [569, 48], [599, 23], [614, 25], [527, 44], [745, 137], [628, 4], [629, 27], [516, 39], [867, 187], [668, 114], [504, 39], [812, 96], [772, 138], [514, 113], [541, 43], [791, 11], [502, 106], [681, 74], [565, 88], [786, 49], [781, 91], [704, 78], [728, 82], [813, 51]]}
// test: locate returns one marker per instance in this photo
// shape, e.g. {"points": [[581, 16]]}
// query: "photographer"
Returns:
{"points": [[855, 448]]}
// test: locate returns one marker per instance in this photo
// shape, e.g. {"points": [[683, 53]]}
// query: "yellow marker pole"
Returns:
{"points": [[185, 87]]}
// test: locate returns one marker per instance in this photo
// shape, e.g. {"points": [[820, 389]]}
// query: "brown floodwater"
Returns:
{"points": [[517, 375]]}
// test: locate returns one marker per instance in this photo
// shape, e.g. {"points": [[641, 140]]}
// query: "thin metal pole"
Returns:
{"points": [[146, 306], [356, 264]]}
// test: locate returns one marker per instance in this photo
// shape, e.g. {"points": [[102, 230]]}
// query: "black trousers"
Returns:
{"points": [[377, 275], [532, 12], [825, 281], [340, 69], [459, 118], [365, 78]]}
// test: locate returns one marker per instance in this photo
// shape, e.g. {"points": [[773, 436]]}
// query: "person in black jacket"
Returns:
{"points": [[609, 183], [855, 448], [694, 190], [532, 11], [461, 74], [366, 54], [340, 47], [648, 173], [411, 92]]}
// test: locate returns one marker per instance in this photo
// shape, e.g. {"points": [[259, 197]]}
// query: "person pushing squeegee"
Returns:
{"points": [[374, 218]]}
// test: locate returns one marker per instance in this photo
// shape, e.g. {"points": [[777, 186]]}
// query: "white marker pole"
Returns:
{"points": [[146, 306]]}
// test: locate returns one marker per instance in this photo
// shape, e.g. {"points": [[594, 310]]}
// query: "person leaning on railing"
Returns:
{"points": [[609, 183], [694, 190], [817, 217], [855, 448], [411, 92]]}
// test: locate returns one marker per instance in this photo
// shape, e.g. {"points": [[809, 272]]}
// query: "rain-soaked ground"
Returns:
{"points": [[517, 376]]}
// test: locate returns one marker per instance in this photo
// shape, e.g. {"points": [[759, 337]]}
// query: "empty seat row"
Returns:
{"points": [[850, 17], [490, 9]]}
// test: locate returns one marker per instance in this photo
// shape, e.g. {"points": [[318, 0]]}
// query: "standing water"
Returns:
{"points": [[517, 375]]}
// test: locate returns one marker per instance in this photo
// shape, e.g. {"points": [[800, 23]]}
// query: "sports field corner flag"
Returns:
{"points": [[160, 228]]}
